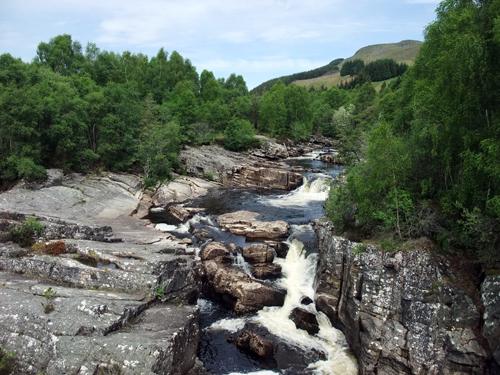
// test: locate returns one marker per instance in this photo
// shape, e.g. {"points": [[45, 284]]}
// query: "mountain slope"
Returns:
{"points": [[318, 72], [404, 51]]}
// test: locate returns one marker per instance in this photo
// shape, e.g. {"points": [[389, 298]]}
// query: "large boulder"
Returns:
{"points": [[266, 271], [271, 150], [258, 253], [181, 213], [401, 312], [181, 189], [264, 178], [290, 359], [213, 250], [305, 320], [237, 289], [244, 223]]}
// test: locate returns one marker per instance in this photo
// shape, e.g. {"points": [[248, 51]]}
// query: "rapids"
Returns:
{"points": [[298, 208]]}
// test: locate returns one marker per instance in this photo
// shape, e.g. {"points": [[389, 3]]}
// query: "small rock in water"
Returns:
{"points": [[305, 320], [306, 301], [266, 271]]}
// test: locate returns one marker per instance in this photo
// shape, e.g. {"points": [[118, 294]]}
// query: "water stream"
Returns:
{"points": [[217, 322]]}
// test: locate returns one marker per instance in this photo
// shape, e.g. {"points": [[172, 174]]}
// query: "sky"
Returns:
{"points": [[258, 39]]}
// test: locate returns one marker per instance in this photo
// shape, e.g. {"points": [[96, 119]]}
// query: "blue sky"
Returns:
{"points": [[259, 39]]}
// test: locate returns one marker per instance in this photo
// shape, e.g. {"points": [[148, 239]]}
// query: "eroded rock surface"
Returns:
{"points": [[120, 297], [245, 223], [237, 170], [400, 311], [233, 286], [90, 330], [490, 290], [181, 189]]}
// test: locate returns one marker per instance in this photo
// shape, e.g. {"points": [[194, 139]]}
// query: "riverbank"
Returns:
{"points": [[408, 312], [92, 305]]}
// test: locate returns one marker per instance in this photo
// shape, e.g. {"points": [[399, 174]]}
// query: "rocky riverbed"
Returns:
{"points": [[105, 292]]}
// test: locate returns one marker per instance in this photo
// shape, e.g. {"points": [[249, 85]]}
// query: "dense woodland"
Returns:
{"points": [[431, 166], [424, 152]]}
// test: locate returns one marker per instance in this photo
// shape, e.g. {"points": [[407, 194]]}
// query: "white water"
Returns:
{"points": [[242, 264], [299, 272], [231, 325], [311, 190]]}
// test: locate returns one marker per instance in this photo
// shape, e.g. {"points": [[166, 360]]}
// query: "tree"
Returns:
{"points": [[158, 145], [61, 54], [239, 135], [273, 112]]}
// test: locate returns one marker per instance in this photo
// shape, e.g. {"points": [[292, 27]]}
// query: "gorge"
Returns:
{"points": [[127, 290]]}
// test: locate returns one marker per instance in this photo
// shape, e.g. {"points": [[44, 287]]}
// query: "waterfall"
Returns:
{"points": [[242, 264], [299, 271], [311, 190]]}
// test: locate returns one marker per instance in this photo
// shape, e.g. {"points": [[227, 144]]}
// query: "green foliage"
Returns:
{"points": [[359, 249], [350, 134], [158, 144], [209, 176], [159, 292], [239, 135], [23, 235], [352, 67], [380, 70], [375, 187], [49, 295], [7, 362], [432, 165], [273, 112], [16, 167]]}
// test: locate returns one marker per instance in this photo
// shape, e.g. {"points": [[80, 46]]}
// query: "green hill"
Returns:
{"points": [[318, 72], [404, 51]]}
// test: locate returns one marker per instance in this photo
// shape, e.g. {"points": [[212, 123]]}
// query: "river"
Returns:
{"points": [[217, 322]]}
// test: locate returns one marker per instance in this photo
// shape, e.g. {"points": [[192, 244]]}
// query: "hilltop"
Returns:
{"points": [[403, 52]]}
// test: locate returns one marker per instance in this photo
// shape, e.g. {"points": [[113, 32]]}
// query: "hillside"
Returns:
{"points": [[404, 51], [315, 73]]}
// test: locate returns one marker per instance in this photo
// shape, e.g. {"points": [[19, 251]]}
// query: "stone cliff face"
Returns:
{"points": [[402, 312]]}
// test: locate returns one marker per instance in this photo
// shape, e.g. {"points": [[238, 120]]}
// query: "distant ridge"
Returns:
{"points": [[404, 51], [318, 72]]}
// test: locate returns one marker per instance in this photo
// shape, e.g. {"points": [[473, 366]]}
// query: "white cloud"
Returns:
{"points": [[423, 1], [263, 65], [237, 36]]}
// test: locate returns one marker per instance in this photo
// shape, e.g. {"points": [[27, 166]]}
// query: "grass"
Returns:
{"points": [[325, 80], [404, 51]]}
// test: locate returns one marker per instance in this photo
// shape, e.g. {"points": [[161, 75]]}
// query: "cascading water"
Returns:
{"points": [[298, 208]]}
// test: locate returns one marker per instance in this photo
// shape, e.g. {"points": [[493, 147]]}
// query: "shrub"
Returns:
{"points": [[23, 235], [49, 295], [239, 135], [56, 248], [7, 360]]}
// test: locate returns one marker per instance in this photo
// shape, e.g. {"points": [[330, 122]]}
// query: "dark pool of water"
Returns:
{"points": [[219, 356]]}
